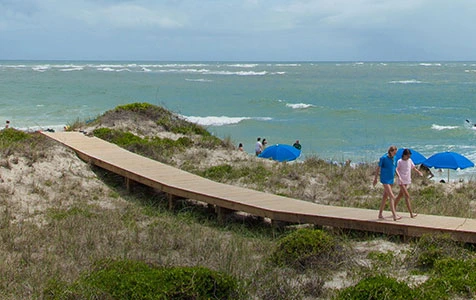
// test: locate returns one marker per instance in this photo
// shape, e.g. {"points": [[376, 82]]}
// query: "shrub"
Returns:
{"points": [[218, 173], [128, 279], [10, 135], [155, 148], [450, 277], [303, 247], [377, 288], [430, 248]]}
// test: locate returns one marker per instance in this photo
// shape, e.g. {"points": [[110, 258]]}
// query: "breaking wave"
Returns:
{"points": [[219, 121]]}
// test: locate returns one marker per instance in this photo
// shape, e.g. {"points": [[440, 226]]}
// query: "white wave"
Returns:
{"points": [[211, 72], [178, 65], [410, 81], [72, 69], [42, 68], [442, 127], [243, 65], [220, 121], [144, 69], [106, 69], [287, 65], [240, 73], [299, 105], [199, 80], [430, 64], [215, 121]]}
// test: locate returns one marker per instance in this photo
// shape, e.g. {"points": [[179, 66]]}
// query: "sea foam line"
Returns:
{"points": [[220, 121], [299, 105], [410, 81], [442, 127]]}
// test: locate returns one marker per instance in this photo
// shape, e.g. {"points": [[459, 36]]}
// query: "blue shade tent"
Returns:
{"points": [[416, 157], [448, 160], [280, 152]]}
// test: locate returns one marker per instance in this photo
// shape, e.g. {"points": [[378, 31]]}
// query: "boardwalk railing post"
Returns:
{"points": [[222, 213], [171, 199], [129, 184]]}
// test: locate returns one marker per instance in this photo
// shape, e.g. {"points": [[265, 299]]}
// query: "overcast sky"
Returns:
{"points": [[232, 30]]}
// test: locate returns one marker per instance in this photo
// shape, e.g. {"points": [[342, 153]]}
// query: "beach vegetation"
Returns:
{"points": [[451, 278], [70, 230], [154, 147], [429, 249], [377, 287], [131, 279], [307, 248]]}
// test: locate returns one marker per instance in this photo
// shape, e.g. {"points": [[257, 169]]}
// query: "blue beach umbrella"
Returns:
{"points": [[448, 160], [416, 157], [280, 152]]}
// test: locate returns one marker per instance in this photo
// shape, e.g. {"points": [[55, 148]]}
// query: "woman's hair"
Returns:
{"points": [[406, 152], [392, 148]]}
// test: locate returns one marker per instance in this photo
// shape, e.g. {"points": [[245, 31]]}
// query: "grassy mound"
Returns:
{"points": [[136, 280]]}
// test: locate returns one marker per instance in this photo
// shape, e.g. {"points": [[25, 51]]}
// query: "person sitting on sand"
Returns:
{"points": [[240, 147]]}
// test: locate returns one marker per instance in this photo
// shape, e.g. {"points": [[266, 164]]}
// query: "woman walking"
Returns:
{"points": [[405, 166]]}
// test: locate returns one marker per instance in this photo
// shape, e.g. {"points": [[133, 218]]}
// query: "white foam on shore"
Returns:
{"points": [[41, 128]]}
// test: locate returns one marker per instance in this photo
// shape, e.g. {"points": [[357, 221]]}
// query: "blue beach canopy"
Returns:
{"points": [[280, 152], [416, 157], [448, 160]]}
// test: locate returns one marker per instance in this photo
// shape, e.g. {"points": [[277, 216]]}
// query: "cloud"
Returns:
{"points": [[239, 29], [130, 16]]}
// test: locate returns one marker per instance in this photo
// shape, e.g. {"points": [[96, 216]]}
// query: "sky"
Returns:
{"points": [[232, 30]]}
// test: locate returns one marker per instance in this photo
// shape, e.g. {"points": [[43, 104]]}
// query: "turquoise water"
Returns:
{"points": [[338, 111]]}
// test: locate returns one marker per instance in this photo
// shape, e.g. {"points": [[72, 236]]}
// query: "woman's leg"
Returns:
{"points": [[389, 192], [407, 201]]}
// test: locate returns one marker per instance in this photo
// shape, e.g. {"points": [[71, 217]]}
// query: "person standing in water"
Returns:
{"points": [[386, 169], [404, 169], [258, 146]]}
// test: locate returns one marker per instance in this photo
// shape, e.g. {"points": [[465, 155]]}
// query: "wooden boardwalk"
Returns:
{"points": [[226, 198]]}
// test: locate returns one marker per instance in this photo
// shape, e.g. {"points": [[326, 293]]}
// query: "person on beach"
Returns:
{"points": [[264, 143], [404, 169], [258, 146], [386, 168], [7, 124], [240, 147], [427, 170], [297, 145]]}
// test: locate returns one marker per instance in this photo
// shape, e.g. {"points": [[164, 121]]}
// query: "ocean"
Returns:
{"points": [[338, 110]]}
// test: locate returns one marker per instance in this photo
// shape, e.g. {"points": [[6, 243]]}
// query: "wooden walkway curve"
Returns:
{"points": [[226, 198]]}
